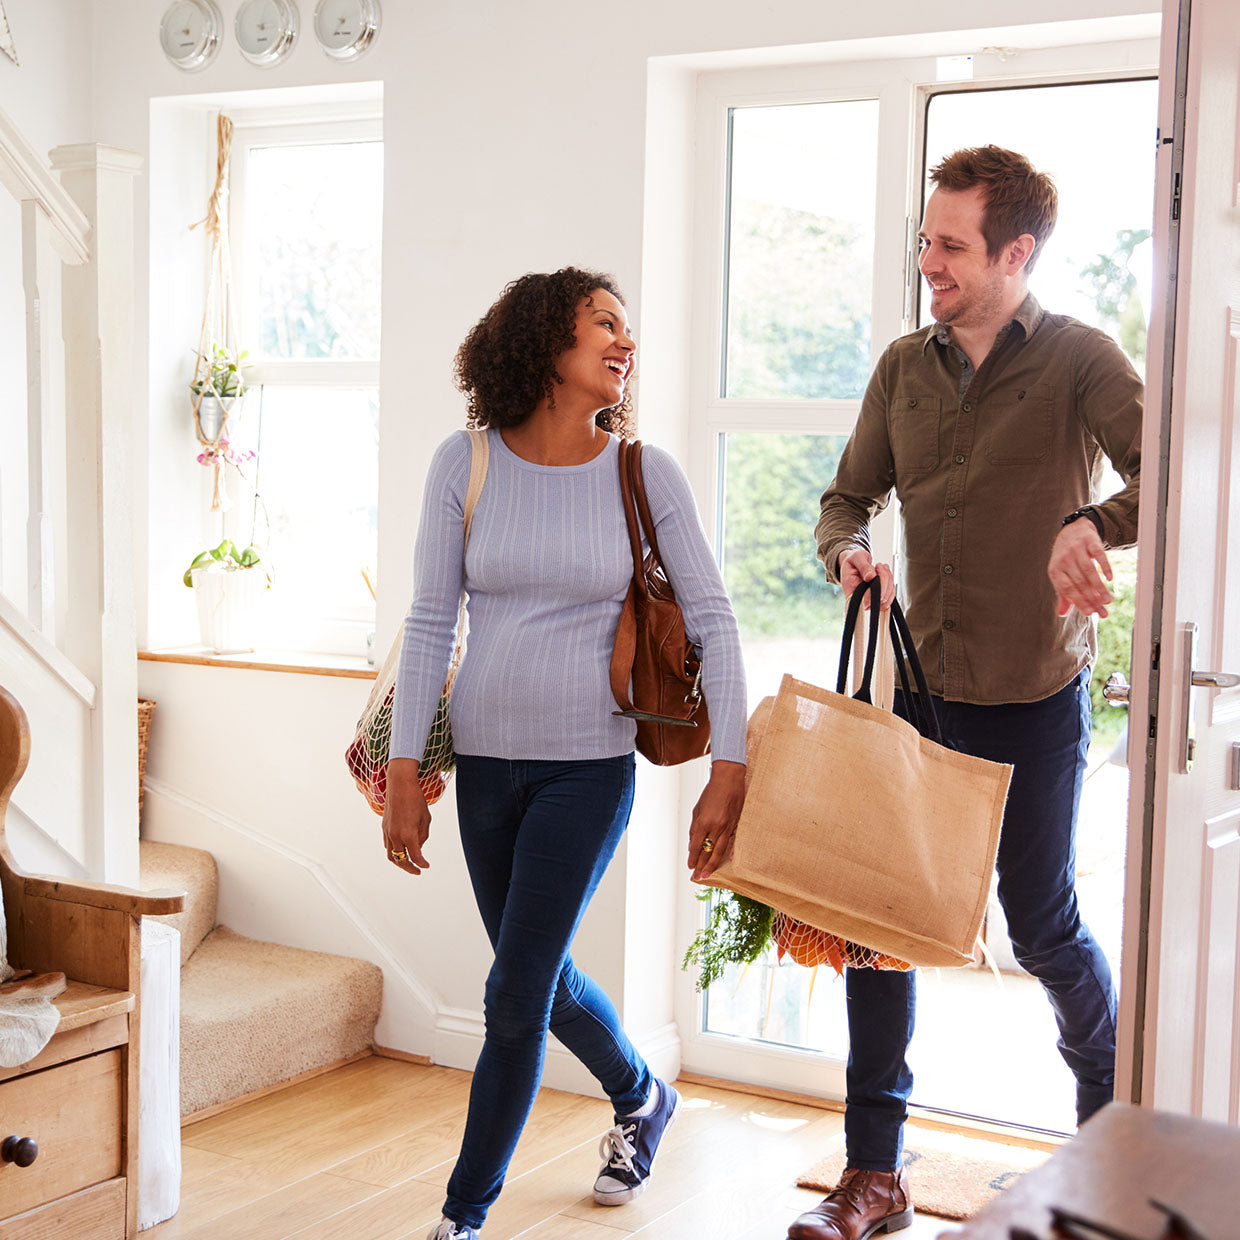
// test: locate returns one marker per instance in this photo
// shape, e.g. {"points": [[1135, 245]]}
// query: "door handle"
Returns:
{"points": [[1116, 691], [1193, 681], [1215, 680]]}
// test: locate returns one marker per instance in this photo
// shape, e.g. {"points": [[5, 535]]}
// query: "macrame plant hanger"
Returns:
{"points": [[219, 325]]}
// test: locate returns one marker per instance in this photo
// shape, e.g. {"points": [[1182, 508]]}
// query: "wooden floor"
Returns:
{"points": [[364, 1152]]}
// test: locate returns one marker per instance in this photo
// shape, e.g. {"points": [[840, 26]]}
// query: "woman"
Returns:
{"points": [[544, 769]]}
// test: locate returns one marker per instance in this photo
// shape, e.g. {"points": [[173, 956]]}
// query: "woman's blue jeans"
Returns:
{"points": [[1046, 742], [537, 836]]}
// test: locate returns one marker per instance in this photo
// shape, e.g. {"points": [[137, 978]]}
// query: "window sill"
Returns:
{"points": [[303, 662]]}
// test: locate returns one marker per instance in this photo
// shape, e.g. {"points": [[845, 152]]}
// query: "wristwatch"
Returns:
{"points": [[1091, 513]]}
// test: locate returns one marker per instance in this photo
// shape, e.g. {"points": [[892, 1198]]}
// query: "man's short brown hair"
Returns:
{"points": [[1018, 198]]}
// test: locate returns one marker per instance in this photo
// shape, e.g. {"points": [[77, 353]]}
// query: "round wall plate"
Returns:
{"points": [[190, 32], [346, 28], [266, 30]]}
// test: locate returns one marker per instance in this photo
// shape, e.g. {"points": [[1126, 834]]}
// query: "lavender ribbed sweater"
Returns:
{"points": [[547, 569]]}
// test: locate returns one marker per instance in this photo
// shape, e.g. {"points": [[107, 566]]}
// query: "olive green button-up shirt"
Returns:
{"points": [[985, 467]]}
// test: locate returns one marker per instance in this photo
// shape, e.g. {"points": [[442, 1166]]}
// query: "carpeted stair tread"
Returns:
{"points": [[194, 870], [254, 1014]]}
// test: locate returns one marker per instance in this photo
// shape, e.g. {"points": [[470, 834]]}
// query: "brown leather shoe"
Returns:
{"points": [[862, 1204]]}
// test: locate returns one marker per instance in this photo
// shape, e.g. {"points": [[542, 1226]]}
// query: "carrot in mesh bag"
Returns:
{"points": [[737, 930], [809, 946], [367, 754]]}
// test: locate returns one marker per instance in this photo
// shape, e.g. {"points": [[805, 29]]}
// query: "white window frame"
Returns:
{"points": [[903, 87], [345, 629]]}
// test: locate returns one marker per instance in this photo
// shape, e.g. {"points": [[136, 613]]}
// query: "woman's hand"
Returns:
{"points": [[406, 816], [715, 817]]}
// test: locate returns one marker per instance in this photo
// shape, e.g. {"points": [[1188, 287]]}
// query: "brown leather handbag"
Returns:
{"points": [[652, 649]]}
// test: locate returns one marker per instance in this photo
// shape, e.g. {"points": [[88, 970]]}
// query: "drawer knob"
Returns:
{"points": [[20, 1150]]}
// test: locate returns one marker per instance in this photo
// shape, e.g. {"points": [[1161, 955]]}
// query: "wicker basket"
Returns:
{"points": [[146, 708]]}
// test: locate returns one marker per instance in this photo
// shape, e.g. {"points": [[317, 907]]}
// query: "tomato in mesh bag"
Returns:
{"points": [[367, 756]]}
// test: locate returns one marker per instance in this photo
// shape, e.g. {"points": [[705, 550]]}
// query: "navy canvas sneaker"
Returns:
{"points": [[629, 1148]]}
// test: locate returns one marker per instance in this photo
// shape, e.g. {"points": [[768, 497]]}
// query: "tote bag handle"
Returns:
{"points": [[865, 689], [919, 704]]}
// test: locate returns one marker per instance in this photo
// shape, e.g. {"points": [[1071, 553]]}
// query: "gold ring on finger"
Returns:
{"points": [[398, 854], [708, 845]]}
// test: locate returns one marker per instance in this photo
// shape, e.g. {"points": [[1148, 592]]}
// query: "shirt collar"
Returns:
{"points": [[1027, 317]]}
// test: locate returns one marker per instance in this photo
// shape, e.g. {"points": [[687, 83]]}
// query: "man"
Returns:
{"points": [[990, 426]]}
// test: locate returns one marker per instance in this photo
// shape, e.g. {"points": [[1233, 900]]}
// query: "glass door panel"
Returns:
{"points": [[790, 621], [790, 617], [985, 1041], [800, 250], [1097, 140]]}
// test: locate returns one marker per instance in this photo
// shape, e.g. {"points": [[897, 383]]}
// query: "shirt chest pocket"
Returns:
{"points": [[913, 425], [1017, 424]]}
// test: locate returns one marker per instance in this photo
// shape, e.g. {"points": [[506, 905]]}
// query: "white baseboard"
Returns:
{"points": [[458, 1040]]}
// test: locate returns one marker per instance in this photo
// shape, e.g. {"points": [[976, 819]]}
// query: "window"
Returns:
{"points": [[307, 226], [798, 314], [800, 249]]}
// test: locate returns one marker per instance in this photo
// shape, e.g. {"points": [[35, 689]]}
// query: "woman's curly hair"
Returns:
{"points": [[506, 365]]}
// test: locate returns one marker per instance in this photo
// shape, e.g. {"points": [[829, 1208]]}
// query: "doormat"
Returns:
{"points": [[950, 1175]]}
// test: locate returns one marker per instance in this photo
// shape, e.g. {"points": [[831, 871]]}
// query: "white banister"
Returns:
{"points": [[24, 174], [97, 312], [12, 620], [40, 271]]}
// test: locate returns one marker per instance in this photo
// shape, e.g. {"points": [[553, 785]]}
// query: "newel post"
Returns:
{"points": [[102, 436]]}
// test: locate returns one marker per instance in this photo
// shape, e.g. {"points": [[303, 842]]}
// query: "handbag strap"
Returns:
{"points": [[636, 516], [865, 688], [479, 460], [636, 510], [643, 507]]}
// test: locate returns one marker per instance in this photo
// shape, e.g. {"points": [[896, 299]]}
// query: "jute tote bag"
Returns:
{"points": [[858, 824]]}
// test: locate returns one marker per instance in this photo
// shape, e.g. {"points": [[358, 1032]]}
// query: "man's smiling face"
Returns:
{"points": [[967, 288]]}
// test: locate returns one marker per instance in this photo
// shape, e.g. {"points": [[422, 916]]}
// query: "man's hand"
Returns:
{"points": [[406, 816], [715, 817], [1076, 557], [856, 568]]}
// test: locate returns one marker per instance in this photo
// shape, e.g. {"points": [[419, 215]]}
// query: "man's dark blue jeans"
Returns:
{"points": [[1046, 742], [537, 836]]}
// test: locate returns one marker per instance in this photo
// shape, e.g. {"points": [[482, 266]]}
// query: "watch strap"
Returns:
{"points": [[1092, 514]]}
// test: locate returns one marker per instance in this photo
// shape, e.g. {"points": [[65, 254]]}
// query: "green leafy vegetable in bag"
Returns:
{"points": [[737, 931]]}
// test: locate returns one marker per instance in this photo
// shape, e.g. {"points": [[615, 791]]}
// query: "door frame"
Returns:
{"points": [[903, 86]]}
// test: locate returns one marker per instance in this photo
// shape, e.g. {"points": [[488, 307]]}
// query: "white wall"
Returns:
{"points": [[48, 98], [516, 139]]}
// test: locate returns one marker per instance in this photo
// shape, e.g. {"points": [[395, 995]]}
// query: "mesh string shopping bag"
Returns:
{"points": [[367, 754], [862, 824]]}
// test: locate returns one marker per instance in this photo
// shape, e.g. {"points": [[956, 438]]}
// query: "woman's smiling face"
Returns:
{"points": [[600, 363]]}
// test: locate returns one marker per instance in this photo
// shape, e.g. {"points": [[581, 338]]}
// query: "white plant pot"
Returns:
{"points": [[228, 602], [211, 411]]}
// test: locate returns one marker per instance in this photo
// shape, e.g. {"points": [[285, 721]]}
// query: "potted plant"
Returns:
{"points": [[219, 381], [227, 585]]}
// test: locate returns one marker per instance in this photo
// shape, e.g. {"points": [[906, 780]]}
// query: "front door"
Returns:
{"points": [[1180, 1024]]}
